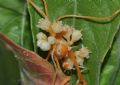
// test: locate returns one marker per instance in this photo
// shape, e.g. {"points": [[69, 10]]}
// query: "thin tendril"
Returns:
{"points": [[48, 56], [46, 7], [52, 56], [58, 65], [90, 17], [37, 8]]}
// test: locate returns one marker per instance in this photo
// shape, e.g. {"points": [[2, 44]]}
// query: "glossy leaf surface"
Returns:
{"points": [[14, 23], [97, 36], [111, 67]]}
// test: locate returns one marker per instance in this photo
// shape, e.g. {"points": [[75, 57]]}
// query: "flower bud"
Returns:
{"points": [[76, 35], [68, 64], [51, 40], [82, 53], [41, 36], [57, 27], [79, 60], [68, 32], [44, 45], [44, 24]]}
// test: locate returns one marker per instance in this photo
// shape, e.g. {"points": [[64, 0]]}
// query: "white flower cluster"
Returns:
{"points": [[45, 42], [70, 34], [80, 55], [44, 24], [58, 27]]}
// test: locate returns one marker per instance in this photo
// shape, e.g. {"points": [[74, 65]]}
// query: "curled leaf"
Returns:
{"points": [[36, 70]]}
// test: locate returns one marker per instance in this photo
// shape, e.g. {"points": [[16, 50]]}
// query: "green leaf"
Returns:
{"points": [[117, 81], [14, 22], [34, 16], [9, 71], [111, 67], [97, 36]]}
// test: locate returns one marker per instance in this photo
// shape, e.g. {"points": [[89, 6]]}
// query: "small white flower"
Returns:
{"points": [[41, 36], [44, 45], [81, 55], [79, 60], [84, 52], [68, 31], [76, 35], [44, 24], [57, 27], [68, 64], [51, 40]]}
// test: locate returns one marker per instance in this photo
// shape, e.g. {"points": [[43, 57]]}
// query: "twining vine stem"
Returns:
{"points": [[89, 17]]}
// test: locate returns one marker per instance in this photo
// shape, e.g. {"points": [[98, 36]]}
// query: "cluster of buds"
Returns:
{"points": [[45, 42], [81, 55], [70, 34], [44, 24]]}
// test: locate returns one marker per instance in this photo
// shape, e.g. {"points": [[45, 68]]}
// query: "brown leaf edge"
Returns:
{"points": [[37, 70]]}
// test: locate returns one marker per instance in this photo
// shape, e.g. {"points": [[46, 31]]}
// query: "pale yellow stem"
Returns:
{"points": [[48, 56], [52, 56], [37, 8], [46, 7], [90, 17]]}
